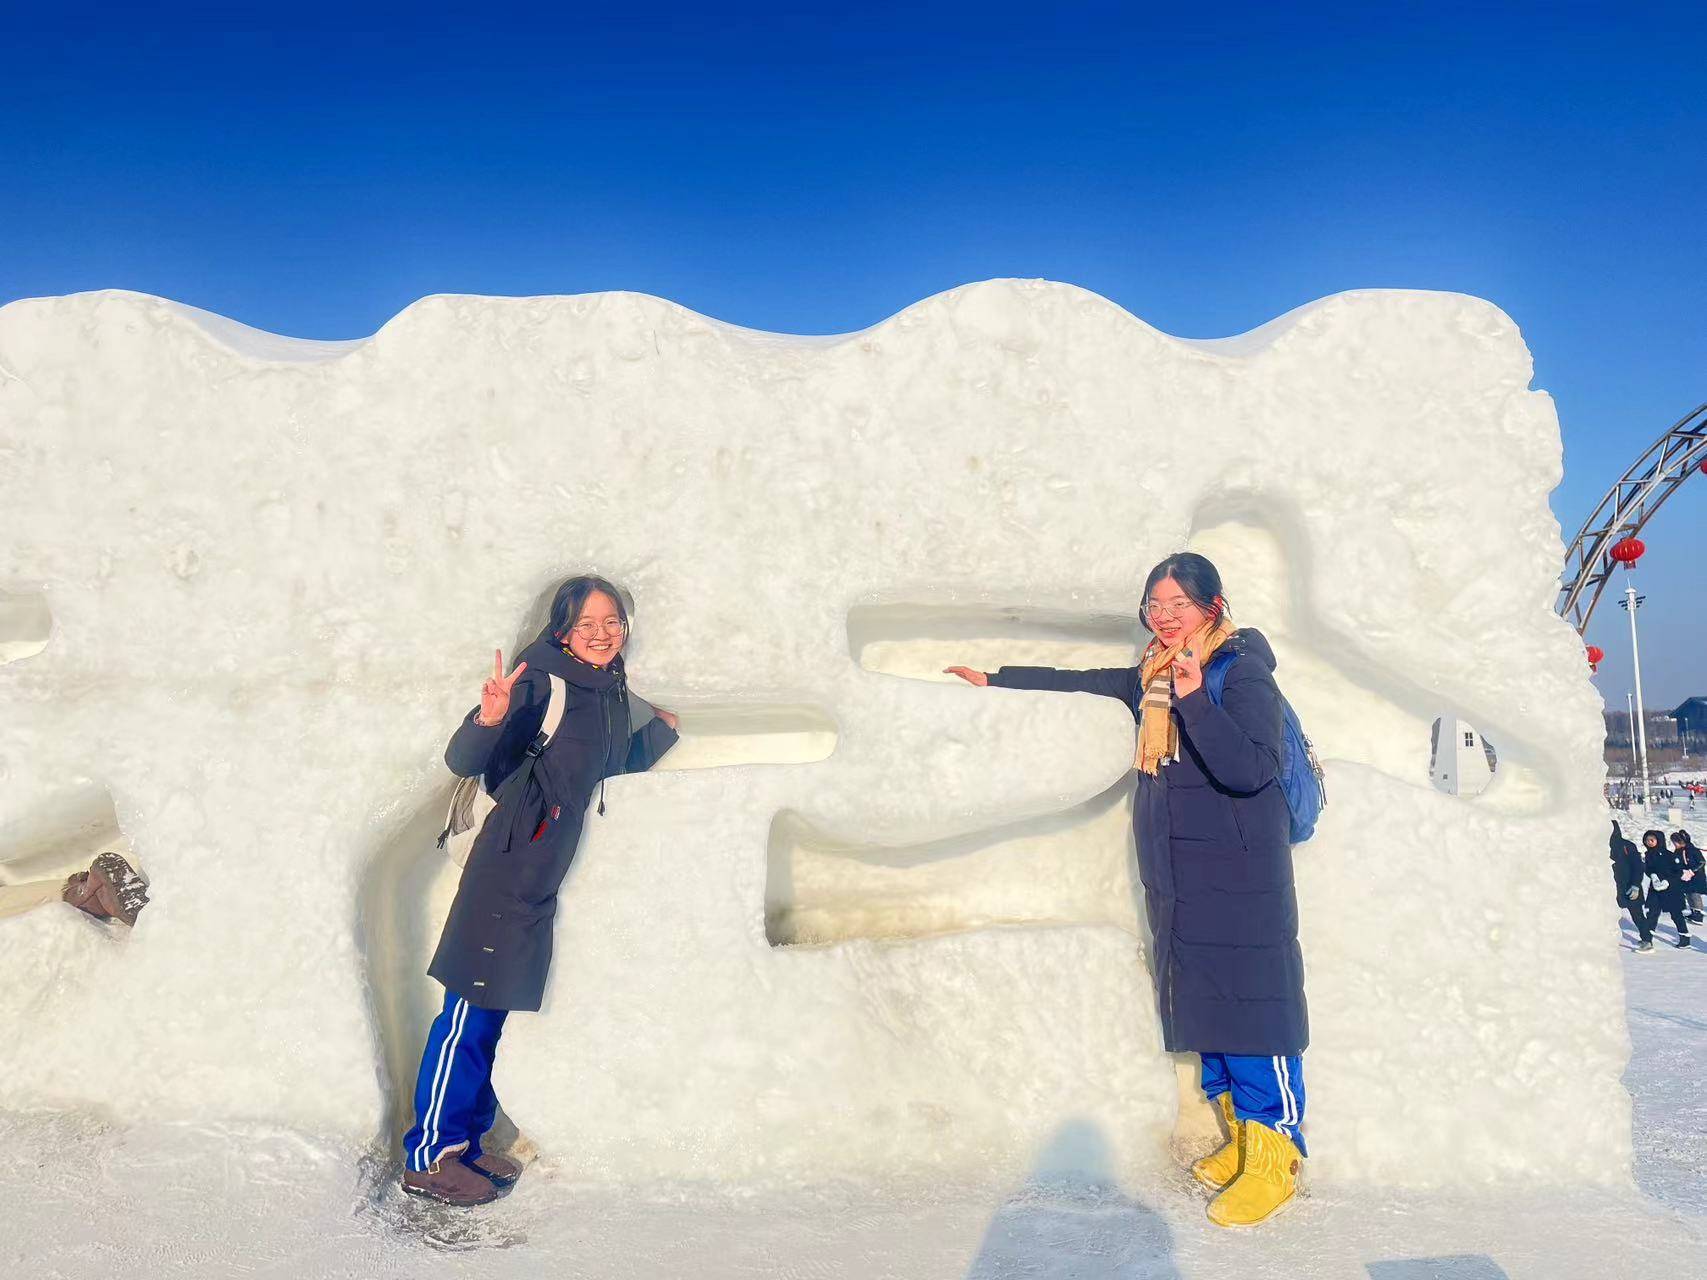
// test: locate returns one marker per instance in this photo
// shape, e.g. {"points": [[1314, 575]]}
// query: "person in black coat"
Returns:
{"points": [[1694, 873], [1214, 855], [1665, 884], [495, 951], [1628, 874]]}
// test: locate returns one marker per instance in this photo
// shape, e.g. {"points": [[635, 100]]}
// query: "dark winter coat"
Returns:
{"points": [[496, 947], [1214, 855], [1663, 865], [1627, 871], [1693, 862]]}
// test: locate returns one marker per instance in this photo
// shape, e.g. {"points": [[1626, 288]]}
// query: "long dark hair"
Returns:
{"points": [[572, 595], [1197, 577]]}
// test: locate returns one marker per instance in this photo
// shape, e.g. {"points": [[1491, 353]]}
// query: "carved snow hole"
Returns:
{"points": [[730, 733], [1460, 761], [1066, 868], [61, 832], [25, 624], [917, 641]]}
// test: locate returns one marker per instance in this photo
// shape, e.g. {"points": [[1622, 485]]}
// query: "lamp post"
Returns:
{"points": [[1635, 762], [1626, 552], [1630, 603]]}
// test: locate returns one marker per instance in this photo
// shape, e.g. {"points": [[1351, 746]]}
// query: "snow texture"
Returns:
{"points": [[865, 920]]}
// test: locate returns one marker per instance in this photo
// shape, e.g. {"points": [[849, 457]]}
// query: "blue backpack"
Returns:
{"points": [[1300, 771]]}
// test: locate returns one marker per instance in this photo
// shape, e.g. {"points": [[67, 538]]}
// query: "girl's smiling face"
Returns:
{"points": [[598, 633], [1173, 614]]}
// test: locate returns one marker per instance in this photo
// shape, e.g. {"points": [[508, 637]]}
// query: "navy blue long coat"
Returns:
{"points": [[1215, 858], [495, 950]]}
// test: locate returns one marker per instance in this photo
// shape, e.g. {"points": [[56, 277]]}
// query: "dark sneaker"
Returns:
{"points": [[451, 1181], [501, 1170], [1682, 941], [1647, 944]]}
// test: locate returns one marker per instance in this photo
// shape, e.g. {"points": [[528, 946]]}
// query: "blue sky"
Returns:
{"points": [[1207, 167]]}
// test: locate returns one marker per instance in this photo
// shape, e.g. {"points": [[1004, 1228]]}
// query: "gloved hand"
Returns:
{"points": [[1688, 875], [1634, 893], [1662, 885]]}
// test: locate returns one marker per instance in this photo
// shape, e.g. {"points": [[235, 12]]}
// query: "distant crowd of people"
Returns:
{"points": [[1626, 794], [1665, 877]]}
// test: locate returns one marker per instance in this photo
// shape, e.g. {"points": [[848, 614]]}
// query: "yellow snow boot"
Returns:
{"points": [[1268, 1176], [1221, 1166]]}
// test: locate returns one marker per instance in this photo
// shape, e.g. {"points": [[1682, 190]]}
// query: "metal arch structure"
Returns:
{"points": [[1628, 505]]}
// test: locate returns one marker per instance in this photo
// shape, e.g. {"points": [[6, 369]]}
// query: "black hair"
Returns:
{"points": [[1659, 838], [1198, 578], [572, 595], [1683, 836]]}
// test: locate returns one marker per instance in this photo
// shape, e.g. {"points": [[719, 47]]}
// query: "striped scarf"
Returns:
{"points": [[1158, 735]]}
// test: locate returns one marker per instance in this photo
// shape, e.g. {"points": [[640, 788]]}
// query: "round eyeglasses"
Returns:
{"points": [[1172, 609], [588, 629]]}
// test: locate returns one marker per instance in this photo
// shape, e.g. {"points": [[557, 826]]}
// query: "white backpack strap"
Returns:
{"points": [[554, 709]]}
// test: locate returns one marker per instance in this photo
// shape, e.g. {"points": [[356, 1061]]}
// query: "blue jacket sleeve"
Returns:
{"points": [[1239, 741], [648, 744], [1110, 682], [477, 749]]}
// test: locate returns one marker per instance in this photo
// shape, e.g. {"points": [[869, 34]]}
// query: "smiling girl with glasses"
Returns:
{"points": [[495, 951], [1213, 832]]}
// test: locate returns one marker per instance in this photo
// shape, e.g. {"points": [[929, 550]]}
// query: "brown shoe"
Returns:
{"points": [[499, 1169], [80, 893], [450, 1181], [109, 890]]}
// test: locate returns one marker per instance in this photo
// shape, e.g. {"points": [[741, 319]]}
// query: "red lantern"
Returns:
{"points": [[1596, 655], [1628, 551], [1704, 466]]}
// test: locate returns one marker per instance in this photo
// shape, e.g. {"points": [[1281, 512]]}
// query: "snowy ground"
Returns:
{"points": [[85, 1198]]}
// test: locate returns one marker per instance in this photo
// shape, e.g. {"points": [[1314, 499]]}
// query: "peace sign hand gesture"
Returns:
{"points": [[1188, 674], [495, 693]]}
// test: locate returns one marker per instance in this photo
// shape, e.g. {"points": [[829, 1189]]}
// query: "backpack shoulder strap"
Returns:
{"points": [[1215, 673], [554, 709]]}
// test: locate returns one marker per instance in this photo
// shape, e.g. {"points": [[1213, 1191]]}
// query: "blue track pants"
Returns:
{"points": [[1269, 1090], [454, 1102]]}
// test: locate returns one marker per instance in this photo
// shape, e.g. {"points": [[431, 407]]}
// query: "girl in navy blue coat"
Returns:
{"points": [[495, 951], [1666, 885], [1694, 873], [1214, 855]]}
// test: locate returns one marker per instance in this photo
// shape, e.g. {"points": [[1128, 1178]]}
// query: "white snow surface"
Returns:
{"points": [[868, 923], [93, 1199]]}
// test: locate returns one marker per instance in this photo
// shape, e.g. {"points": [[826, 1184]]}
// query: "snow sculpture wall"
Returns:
{"points": [[868, 921]]}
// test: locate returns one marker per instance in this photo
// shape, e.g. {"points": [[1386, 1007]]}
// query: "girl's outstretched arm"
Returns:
{"points": [[1110, 682], [648, 744]]}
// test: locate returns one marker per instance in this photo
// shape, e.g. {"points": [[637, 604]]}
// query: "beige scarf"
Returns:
{"points": [[1158, 735]]}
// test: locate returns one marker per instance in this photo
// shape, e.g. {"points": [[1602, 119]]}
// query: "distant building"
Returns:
{"points": [[1691, 717], [1460, 763]]}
